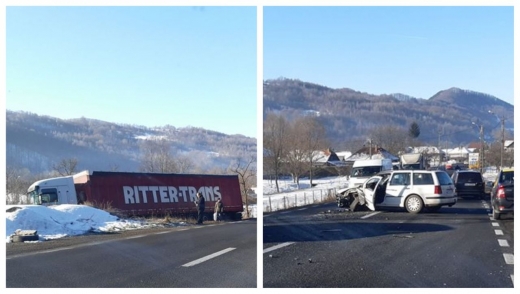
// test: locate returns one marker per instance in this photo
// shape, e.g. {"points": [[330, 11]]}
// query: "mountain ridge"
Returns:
{"points": [[350, 115], [36, 142]]}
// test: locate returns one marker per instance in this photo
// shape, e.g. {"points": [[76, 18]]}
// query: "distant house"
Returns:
{"points": [[459, 154], [509, 145], [371, 153], [343, 154], [475, 146], [327, 158], [433, 150]]}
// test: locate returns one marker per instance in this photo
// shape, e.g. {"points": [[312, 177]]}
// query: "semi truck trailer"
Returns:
{"points": [[141, 194]]}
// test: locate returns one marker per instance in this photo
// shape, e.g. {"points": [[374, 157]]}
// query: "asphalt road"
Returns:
{"points": [[324, 246], [211, 255]]}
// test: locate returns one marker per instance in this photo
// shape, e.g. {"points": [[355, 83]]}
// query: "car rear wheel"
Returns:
{"points": [[414, 204]]}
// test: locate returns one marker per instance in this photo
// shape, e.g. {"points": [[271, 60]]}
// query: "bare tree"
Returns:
{"points": [[156, 157], [66, 167], [495, 152], [184, 164], [246, 171], [389, 137], [113, 167], [17, 181], [275, 131], [296, 158], [311, 136]]}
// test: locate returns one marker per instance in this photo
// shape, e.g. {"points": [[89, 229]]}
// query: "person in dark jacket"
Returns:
{"points": [[201, 205]]}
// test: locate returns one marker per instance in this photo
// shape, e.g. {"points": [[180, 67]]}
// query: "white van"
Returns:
{"points": [[362, 170]]}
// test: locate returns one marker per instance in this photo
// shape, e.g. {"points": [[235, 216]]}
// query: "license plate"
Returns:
{"points": [[470, 184]]}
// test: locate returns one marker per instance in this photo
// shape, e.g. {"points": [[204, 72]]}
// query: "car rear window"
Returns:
{"points": [[422, 179], [444, 179], [507, 176], [469, 178]]}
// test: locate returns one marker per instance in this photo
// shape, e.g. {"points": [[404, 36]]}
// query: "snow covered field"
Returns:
{"points": [[291, 196]]}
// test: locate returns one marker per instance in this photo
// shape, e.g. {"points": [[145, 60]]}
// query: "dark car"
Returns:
{"points": [[503, 193], [468, 184]]}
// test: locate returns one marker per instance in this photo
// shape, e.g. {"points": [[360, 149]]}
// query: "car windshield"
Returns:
{"points": [[365, 171]]}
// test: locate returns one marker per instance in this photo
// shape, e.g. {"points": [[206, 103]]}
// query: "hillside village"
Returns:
{"points": [[463, 156]]}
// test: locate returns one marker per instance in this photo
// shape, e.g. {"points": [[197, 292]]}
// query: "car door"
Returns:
{"points": [[397, 188], [369, 189]]}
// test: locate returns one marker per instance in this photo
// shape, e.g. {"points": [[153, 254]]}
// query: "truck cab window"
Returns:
{"points": [[49, 196]]}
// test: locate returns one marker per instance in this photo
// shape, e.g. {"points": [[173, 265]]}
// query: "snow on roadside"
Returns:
{"points": [[292, 195], [58, 221]]}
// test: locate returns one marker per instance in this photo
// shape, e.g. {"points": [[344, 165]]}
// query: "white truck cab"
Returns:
{"points": [[53, 191], [362, 170]]}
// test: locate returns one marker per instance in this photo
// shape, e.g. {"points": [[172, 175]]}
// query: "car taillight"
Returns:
{"points": [[500, 192], [438, 190]]}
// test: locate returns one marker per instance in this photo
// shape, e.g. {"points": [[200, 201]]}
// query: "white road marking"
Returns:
{"points": [[206, 258], [509, 258], [277, 246], [285, 212], [499, 232], [303, 208], [513, 279], [135, 237], [495, 224], [370, 215], [503, 243]]}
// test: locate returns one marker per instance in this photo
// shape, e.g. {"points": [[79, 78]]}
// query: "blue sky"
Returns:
{"points": [[417, 51], [151, 66]]}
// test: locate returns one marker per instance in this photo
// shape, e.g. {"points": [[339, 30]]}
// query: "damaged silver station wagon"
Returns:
{"points": [[409, 189]]}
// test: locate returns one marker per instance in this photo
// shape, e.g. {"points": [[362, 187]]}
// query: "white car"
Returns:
{"points": [[410, 189]]}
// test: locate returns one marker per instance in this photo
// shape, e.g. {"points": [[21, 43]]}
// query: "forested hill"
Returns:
{"points": [[351, 115], [37, 142]]}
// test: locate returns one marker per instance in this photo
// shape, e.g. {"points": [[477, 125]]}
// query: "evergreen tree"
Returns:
{"points": [[414, 130]]}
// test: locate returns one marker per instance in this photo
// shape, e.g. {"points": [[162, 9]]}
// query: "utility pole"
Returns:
{"points": [[482, 148], [439, 146], [502, 121], [370, 148], [502, 147]]}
